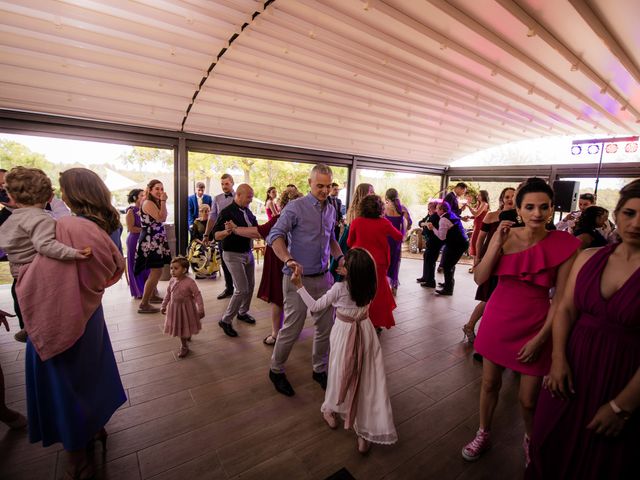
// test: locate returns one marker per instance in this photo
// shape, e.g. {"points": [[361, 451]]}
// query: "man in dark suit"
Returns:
{"points": [[337, 204], [452, 197], [196, 200]]}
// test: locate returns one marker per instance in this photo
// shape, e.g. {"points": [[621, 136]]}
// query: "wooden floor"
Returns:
{"points": [[215, 414]]}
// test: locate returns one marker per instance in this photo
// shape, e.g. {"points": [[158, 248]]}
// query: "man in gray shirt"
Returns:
{"points": [[308, 224], [219, 202]]}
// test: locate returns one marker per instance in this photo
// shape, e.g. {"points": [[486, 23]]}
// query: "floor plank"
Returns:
{"points": [[215, 415]]}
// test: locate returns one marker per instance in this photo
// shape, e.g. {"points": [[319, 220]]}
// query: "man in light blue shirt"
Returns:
{"points": [[308, 224]]}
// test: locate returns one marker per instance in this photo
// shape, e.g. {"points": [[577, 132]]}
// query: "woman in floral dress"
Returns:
{"points": [[153, 249]]}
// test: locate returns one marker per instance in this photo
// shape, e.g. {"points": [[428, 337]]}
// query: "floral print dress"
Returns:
{"points": [[153, 248]]}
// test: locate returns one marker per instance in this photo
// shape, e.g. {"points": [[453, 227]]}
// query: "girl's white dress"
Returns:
{"points": [[374, 418]]}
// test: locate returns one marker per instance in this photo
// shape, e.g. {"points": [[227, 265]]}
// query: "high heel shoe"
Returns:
{"points": [[469, 333]]}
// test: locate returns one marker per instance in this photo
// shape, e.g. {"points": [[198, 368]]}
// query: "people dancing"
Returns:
{"points": [[399, 217], [490, 222], [456, 242], [516, 325], [587, 425], [371, 231], [357, 386], [434, 245], [478, 213]]}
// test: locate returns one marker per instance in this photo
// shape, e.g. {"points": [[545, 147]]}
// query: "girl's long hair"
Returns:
{"points": [[362, 190], [86, 195], [361, 276]]}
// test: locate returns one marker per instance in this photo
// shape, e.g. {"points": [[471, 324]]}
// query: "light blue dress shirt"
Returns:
{"points": [[308, 225]]}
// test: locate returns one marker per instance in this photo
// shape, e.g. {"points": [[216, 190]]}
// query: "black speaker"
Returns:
{"points": [[565, 195]]}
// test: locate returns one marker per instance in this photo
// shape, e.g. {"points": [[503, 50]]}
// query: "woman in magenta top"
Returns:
{"points": [[587, 424], [371, 231], [515, 329], [270, 205], [478, 213]]}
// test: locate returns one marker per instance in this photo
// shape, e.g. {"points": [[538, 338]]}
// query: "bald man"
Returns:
{"points": [[237, 253]]}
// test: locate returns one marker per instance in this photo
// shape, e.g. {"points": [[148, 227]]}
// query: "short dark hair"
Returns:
{"points": [[334, 184], [133, 195], [589, 197], [361, 277], [225, 176], [371, 206], [3, 170], [533, 185], [200, 185], [461, 185]]}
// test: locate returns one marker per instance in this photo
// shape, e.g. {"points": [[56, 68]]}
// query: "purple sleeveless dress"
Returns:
{"points": [[395, 249], [604, 354], [136, 282]]}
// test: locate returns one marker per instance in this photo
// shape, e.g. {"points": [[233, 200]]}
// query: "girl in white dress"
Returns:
{"points": [[357, 384]]}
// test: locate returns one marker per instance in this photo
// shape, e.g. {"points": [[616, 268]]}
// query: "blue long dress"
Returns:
{"points": [[71, 396]]}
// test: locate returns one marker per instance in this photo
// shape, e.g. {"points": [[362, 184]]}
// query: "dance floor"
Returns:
{"points": [[216, 415]]}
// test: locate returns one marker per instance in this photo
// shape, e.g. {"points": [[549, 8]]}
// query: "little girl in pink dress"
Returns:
{"points": [[183, 305]]}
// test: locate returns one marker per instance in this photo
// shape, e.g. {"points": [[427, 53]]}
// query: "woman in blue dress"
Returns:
{"points": [[73, 383]]}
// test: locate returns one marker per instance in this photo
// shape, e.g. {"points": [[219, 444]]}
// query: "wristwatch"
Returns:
{"points": [[623, 414]]}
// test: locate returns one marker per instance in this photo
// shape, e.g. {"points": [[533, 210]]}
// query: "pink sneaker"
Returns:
{"points": [[473, 450], [525, 446]]}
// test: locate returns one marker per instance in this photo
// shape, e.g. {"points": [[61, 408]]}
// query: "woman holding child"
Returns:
{"points": [[73, 383]]}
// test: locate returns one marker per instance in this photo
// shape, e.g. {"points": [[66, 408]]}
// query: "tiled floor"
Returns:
{"points": [[215, 415]]}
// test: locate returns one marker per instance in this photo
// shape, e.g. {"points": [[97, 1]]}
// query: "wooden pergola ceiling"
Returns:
{"points": [[425, 81]]}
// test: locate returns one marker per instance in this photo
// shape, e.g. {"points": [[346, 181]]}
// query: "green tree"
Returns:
{"points": [[13, 154]]}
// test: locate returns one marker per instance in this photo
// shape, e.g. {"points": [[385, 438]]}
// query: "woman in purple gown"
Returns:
{"points": [[587, 425], [399, 217], [136, 282]]}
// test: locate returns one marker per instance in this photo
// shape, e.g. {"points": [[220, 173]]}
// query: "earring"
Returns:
{"points": [[550, 219], [519, 219]]}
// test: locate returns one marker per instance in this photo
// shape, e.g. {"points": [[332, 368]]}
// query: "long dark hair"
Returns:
{"points": [[502, 195], [533, 185], [148, 196], [392, 195], [268, 197], [361, 276], [589, 217], [629, 191], [86, 195], [133, 195], [484, 196]]}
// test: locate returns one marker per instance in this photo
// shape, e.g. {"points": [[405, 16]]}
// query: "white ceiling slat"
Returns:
{"points": [[372, 70], [424, 56], [90, 71], [571, 57], [424, 81], [414, 78], [334, 81], [496, 40], [61, 84], [57, 48], [343, 106]]}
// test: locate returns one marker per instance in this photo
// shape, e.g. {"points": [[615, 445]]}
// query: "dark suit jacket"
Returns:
{"points": [[193, 206]]}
